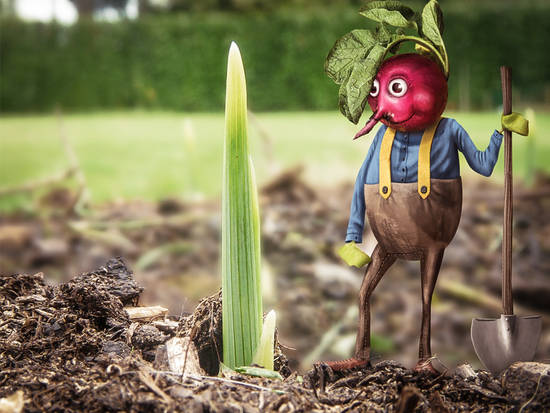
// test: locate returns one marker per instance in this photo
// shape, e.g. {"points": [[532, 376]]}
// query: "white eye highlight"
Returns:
{"points": [[375, 88], [397, 87]]}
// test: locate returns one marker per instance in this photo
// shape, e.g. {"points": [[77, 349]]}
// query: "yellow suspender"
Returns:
{"points": [[424, 160], [384, 171], [424, 150]]}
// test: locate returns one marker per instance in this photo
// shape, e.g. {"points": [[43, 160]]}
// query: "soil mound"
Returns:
{"points": [[74, 347]]}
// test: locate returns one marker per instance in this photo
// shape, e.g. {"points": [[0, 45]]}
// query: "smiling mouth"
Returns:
{"points": [[403, 121]]}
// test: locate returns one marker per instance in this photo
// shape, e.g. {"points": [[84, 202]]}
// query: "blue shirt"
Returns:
{"points": [[449, 138]]}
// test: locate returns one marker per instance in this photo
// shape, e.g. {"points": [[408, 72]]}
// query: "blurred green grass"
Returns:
{"points": [[153, 155]]}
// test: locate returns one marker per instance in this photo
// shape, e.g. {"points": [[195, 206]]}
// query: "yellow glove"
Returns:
{"points": [[352, 255], [515, 122]]}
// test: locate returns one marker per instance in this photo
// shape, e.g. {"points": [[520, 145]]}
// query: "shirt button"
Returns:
{"points": [[402, 179], [403, 169]]}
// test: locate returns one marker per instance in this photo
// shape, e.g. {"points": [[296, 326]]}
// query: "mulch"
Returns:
{"points": [[72, 347]]}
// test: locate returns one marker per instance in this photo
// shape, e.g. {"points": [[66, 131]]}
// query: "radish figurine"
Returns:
{"points": [[409, 94], [409, 185]]}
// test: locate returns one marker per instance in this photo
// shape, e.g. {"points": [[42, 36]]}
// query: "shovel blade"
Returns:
{"points": [[500, 342]]}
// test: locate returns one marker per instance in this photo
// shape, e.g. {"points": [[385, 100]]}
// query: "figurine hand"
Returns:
{"points": [[352, 255], [515, 122]]}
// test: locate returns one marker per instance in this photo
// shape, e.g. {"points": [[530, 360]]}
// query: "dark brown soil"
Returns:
{"points": [[72, 347]]}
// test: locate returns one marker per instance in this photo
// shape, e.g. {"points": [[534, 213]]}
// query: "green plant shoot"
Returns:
{"points": [[264, 354], [241, 289]]}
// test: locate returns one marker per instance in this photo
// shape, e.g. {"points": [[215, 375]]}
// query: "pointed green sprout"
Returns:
{"points": [[264, 354], [241, 289]]}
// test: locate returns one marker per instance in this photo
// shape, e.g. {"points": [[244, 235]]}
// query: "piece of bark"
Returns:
{"points": [[182, 356], [33, 298], [146, 313]]}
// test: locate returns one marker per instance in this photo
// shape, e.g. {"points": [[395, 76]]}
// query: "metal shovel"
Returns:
{"points": [[500, 342]]}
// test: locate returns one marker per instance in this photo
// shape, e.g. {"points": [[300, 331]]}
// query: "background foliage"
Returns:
{"points": [[177, 61]]}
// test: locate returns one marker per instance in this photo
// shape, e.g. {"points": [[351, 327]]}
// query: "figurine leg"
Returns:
{"points": [[430, 264], [380, 263]]}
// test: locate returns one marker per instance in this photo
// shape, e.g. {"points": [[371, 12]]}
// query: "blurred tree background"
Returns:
{"points": [[170, 54]]}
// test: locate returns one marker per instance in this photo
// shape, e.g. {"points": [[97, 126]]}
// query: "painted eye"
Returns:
{"points": [[397, 87], [375, 88]]}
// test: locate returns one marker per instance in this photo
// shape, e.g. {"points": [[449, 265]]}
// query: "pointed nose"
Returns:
{"points": [[373, 120]]}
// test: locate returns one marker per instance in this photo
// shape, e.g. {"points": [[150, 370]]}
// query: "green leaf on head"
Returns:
{"points": [[348, 50], [382, 34], [432, 23], [360, 82], [393, 13], [343, 100]]}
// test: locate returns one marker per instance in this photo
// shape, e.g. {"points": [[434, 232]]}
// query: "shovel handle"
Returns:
{"points": [[507, 303]]}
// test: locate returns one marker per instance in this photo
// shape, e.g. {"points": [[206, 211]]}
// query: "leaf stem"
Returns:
{"points": [[446, 62], [428, 45]]}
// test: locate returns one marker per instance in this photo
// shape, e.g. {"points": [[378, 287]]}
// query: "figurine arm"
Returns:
{"points": [[357, 210], [482, 162]]}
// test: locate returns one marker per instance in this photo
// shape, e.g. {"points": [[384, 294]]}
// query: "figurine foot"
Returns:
{"points": [[432, 366], [347, 364]]}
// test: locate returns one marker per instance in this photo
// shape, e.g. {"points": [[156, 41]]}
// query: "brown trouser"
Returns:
{"points": [[408, 227]]}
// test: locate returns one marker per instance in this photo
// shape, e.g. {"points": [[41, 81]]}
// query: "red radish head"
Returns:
{"points": [[409, 93]]}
